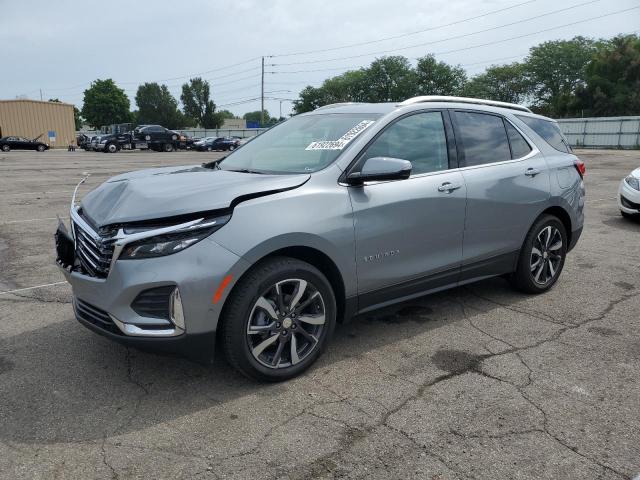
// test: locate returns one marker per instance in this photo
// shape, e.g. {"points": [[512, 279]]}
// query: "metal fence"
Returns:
{"points": [[222, 132], [602, 132], [202, 133]]}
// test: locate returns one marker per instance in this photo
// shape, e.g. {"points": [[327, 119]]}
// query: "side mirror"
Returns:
{"points": [[379, 169]]}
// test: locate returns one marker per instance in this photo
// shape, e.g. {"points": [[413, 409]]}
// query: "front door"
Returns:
{"points": [[409, 232]]}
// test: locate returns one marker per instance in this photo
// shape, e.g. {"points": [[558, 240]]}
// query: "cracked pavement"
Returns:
{"points": [[477, 382]]}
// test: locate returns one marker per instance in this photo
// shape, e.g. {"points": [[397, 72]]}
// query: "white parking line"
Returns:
{"points": [[31, 288], [28, 220], [36, 193]]}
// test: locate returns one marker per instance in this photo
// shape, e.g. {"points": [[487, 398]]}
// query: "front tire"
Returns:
{"points": [[167, 147], [112, 148], [542, 256], [40, 148], [278, 319]]}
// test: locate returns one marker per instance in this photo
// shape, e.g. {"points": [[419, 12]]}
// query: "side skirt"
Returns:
{"points": [[418, 287]]}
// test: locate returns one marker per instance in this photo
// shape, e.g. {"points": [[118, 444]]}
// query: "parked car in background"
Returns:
{"points": [[186, 143], [332, 213], [629, 195], [83, 140], [155, 137], [21, 143], [220, 143]]}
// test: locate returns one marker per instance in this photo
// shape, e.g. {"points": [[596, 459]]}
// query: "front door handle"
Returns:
{"points": [[449, 187], [532, 172]]}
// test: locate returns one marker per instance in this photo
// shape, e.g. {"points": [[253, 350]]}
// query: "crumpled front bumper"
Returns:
{"points": [[197, 272]]}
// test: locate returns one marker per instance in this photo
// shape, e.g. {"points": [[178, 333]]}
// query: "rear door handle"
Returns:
{"points": [[532, 172], [449, 187]]}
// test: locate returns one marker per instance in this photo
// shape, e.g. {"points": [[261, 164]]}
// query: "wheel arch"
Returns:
{"points": [[312, 256], [561, 214]]}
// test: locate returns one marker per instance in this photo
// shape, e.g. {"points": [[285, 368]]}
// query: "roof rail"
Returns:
{"points": [[477, 101], [333, 105]]}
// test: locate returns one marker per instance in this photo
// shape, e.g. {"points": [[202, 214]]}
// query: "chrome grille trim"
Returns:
{"points": [[95, 253]]}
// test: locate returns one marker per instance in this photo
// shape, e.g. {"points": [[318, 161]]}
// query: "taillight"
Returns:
{"points": [[579, 164]]}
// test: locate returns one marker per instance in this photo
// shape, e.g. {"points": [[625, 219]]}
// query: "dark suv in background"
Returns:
{"points": [[221, 143], [155, 137]]}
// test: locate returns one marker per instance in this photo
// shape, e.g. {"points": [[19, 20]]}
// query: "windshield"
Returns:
{"points": [[300, 145]]}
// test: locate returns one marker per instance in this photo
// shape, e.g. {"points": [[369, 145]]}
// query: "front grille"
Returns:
{"points": [[94, 253], [95, 316], [153, 303], [629, 204]]}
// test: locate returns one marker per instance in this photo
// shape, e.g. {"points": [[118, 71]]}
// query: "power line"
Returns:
{"points": [[455, 37], [403, 35], [535, 33]]}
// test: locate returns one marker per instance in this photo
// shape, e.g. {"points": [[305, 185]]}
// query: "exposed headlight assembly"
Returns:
{"points": [[158, 242], [633, 182]]}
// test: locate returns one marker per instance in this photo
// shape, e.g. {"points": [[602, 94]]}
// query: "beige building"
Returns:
{"points": [[234, 123], [53, 121]]}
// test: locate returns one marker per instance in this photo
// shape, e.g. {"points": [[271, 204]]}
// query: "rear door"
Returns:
{"points": [[409, 232], [507, 186]]}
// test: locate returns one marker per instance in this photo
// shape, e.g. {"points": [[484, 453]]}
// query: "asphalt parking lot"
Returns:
{"points": [[477, 382]]}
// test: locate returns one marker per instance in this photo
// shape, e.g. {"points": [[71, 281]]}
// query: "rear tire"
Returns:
{"points": [[278, 320], [6, 148], [542, 256]]}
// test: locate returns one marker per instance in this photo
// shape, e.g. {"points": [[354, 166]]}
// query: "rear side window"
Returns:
{"points": [[483, 137], [519, 146], [549, 131], [419, 138]]}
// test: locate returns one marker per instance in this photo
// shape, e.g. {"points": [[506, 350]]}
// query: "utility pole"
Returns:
{"points": [[40, 94], [262, 97]]}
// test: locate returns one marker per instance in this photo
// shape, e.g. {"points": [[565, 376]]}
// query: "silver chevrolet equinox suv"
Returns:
{"points": [[332, 213]]}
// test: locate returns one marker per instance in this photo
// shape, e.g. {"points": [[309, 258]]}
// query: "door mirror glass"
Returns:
{"points": [[379, 169]]}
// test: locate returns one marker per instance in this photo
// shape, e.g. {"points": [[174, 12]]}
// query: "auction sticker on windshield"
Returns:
{"points": [[342, 142]]}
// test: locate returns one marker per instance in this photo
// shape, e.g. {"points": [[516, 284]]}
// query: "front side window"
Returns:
{"points": [[302, 144], [419, 138], [549, 131], [483, 137]]}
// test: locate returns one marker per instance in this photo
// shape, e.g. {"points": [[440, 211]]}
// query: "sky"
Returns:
{"points": [[60, 47]]}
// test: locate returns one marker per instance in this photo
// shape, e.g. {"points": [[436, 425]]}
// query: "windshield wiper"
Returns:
{"points": [[246, 170], [215, 165]]}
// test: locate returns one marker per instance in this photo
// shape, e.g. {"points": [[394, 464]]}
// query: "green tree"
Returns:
{"points": [[226, 114], [555, 70], [105, 103], [77, 118], [390, 79], [612, 80], [505, 83], [156, 105], [309, 99], [439, 78], [255, 117], [198, 105]]}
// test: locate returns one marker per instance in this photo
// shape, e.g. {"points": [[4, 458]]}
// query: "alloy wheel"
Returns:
{"points": [[546, 255], [286, 323]]}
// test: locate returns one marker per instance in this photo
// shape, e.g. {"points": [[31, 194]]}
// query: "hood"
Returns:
{"points": [[166, 192]]}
